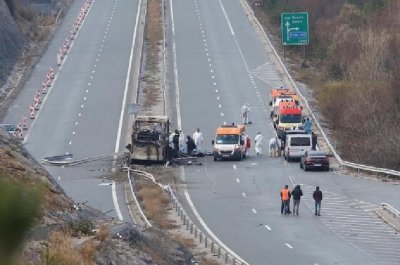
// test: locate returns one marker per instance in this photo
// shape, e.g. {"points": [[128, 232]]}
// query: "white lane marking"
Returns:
{"points": [[216, 90], [54, 81], [91, 77], [226, 17], [234, 167], [73, 133], [194, 210], [82, 106], [70, 142], [105, 184], [84, 98], [87, 91], [182, 170], [288, 245], [237, 180], [89, 84], [254, 211], [214, 84], [212, 77], [95, 65], [217, 98], [209, 59], [79, 114], [177, 103], [172, 20], [222, 114], [128, 76], [244, 195], [76, 123], [268, 228], [115, 200], [219, 106], [291, 180], [93, 71], [224, 122]]}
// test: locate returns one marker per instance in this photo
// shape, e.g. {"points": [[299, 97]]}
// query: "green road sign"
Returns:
{"points": [[294, 28]]}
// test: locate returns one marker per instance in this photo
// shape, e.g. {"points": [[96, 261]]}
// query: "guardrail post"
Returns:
{"points": [[201, 237], [187, 225], [184, 219], [195, 232], [191, 228], [226, 257], [219, 252], [205, 241], [234, 261], [212, 247]]}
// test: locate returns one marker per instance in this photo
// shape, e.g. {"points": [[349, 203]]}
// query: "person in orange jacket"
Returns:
{"points": [[285, 198]]}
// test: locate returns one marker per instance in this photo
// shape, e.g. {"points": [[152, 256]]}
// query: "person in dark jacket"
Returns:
{"points": [[190, 145], [175, 140], [314, 141], [317, 195], [296, 195]]}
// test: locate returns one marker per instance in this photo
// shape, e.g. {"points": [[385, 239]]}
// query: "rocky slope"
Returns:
{"points": [[11, 40]]}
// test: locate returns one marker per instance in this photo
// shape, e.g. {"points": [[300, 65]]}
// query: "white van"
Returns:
{"points": [[297, 145]]}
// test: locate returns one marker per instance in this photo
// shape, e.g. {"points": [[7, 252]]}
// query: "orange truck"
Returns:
{"points": [[289, 115], [231, 142], [281, 94]]}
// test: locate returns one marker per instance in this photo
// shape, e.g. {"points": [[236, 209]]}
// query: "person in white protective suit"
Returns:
{"points": [[273, 146], [198, 141], [248, 113], [258, 140], [170, 139], [182, 143], [245, 112]]}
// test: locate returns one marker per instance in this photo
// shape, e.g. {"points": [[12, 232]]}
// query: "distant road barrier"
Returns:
{"points": [[342, 162]]}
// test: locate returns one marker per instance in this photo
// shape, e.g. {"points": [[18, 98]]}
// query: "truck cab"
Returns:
{"points": [[281, 95], [230, 142], [289, 116]]}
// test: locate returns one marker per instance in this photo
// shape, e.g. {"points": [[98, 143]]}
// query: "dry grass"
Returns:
{"points": [[188, 242], [61, 250], [88, 251], [103, 234], [154, 203]]}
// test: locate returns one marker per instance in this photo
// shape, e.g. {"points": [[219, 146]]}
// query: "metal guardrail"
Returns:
{"points": [[342, 162], [142, 215], [209, 243]]}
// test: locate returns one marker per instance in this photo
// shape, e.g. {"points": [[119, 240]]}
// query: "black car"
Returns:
{"points": [[315, 160]]}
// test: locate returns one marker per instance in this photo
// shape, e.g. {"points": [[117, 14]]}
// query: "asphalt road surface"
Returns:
{"points": [[221, 64], [81, 113]]}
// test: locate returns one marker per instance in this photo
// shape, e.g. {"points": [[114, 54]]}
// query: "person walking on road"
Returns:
{"points": [[296, 195], [198, 141], [285, 198], [273, 146], [317, 195], [308, 126], [258, 140], [245, 111], [190, 145], [248, 113]]}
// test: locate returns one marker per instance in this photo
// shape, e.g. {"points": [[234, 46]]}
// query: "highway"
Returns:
{"points": [[81, 113], [222, 64]]}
